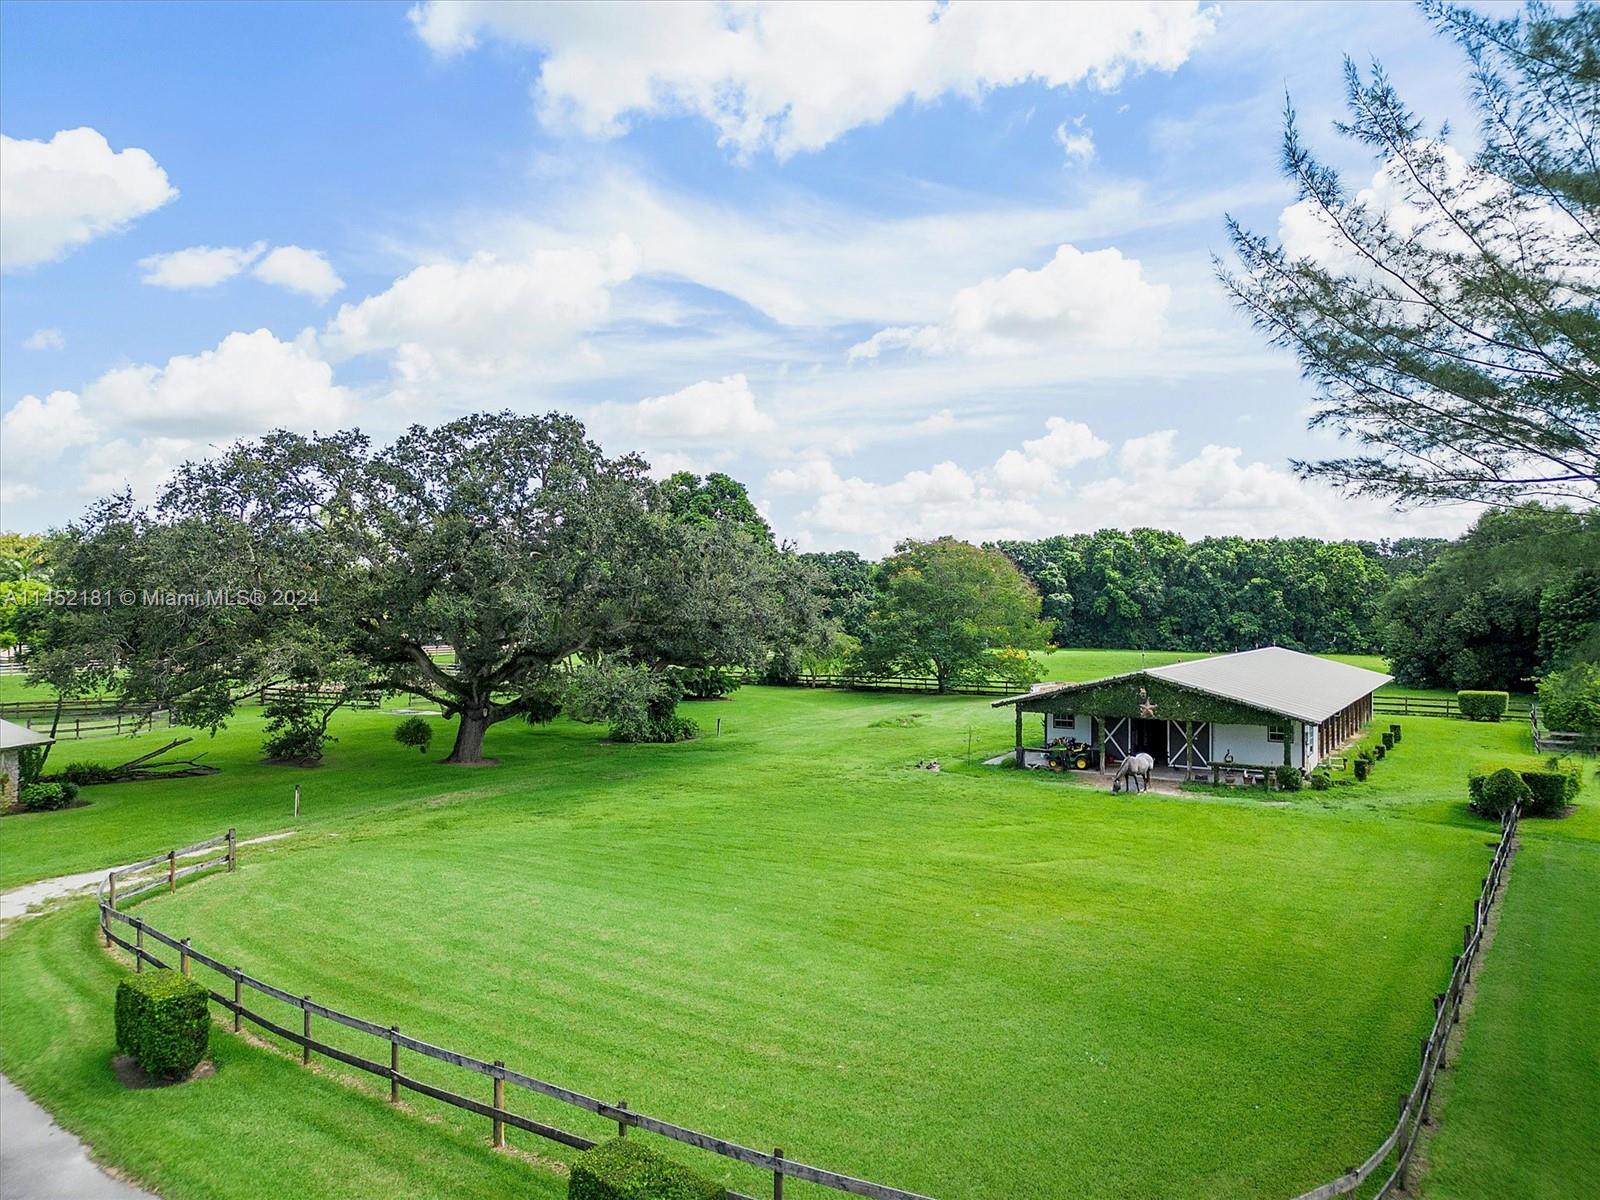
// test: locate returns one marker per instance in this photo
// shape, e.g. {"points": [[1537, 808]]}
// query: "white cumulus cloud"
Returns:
{"points": [[44, 339], [485, 316], [712, 408], [198, 266], [794, 77], [299, 270], [57, 195], [1038, 464], [1093, 300]]}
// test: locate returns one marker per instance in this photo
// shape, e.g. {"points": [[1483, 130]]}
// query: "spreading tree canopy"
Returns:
{"points": [[943, 607], [511, 539], [1447, 314]]}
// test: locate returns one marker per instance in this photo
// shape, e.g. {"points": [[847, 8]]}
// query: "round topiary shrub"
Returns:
{"points": [[1500, 793], [163, 1022], [414, 732], [1289, 779], [1321, 780]]}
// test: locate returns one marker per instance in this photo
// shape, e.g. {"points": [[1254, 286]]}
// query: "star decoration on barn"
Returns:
{"points": [[1146, 709]]}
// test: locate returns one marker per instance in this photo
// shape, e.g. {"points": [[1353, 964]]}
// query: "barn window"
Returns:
{"points": [[1275, 735]]}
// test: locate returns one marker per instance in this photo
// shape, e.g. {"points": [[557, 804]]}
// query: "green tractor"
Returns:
{"points": [[1069, 754]]}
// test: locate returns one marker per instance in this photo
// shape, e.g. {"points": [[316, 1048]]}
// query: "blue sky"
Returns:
{"points": [[902, 271]]}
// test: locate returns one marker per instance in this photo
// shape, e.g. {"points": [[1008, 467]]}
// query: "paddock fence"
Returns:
{"points": [[988, 686], [163, 872], [1401, 1143], [1557, 741], [1437, 706], [86, 724]]}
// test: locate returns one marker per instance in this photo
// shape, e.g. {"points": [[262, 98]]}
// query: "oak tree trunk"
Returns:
{"points": [[474, 724]]}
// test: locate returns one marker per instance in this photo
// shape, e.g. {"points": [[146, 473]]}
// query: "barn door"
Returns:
{"points": [[1119, 737], [1194, 751]]}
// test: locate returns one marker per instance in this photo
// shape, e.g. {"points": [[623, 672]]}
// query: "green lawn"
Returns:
{"points": [[1517, 1116], [972, 983]]}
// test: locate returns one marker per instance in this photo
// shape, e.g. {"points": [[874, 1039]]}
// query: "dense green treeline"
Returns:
{"points": [[1149, 589]]}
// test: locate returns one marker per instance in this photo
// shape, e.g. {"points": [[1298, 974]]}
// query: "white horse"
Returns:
{"points": [[1134, 773]]}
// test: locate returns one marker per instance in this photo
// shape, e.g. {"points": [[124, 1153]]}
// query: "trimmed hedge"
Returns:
{"points": [[1395, 729], [627, 1170], [163, 1022], [1289, 779], [1551, 788], [1483, 706], [1363, 768]]}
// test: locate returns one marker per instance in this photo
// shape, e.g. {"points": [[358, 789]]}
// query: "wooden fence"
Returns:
{"points": [[164, 871], [1557, 741], [92, 724], [990, 686], [1437, 706], [1402, 1140]]}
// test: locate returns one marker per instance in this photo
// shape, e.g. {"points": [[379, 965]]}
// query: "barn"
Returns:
{"points": [[1261, 707]]}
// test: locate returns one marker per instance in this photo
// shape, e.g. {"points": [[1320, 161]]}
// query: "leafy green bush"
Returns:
{"points": [[1570, 700], [1378, 751], [46, 797], [1483, 706], [1497, 793], [639, 704], [1395, 729], [1289, 779], [627, 1170], [1388, 740], [706, 683], [84, 774], [414, 732], [1321, 779], [296, 726], [1363, 767], [1552, 788], [163, 1022]]}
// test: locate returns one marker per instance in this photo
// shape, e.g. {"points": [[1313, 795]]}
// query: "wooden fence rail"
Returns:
{"points": [[168, 872], [1447, 1012], [1436, 706], [1402, 1138], [990, 686]]}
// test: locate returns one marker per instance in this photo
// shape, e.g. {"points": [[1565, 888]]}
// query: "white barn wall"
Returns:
{"points": [[1069, 725], [1250, 744]]}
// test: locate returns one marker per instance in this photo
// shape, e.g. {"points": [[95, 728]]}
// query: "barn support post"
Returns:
{"points": [[1020, 763], [1188, 749]]}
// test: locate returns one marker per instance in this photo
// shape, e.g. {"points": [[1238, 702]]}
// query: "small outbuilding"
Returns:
{"points": [[1259, 707], [13, 740]]}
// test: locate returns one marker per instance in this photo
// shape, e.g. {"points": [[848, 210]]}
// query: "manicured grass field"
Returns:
{"points": [[972, 983], [1517, 1117]]}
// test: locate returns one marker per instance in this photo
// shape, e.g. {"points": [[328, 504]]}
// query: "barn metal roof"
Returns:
{"points": [[14, 737], [1282, 681]]}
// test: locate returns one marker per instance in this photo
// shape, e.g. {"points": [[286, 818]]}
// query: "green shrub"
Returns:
{"points": [[45, 797], [1552, 788], [83, 774], [1321, 779], [627, 1170], [1498, 793], [1570, 700], [1378, 751], [1388, 740], [1362, 767], [1289, 779], [414, 732], [706, 683], [1395, 729], [1482, 706], [163, 1022]]}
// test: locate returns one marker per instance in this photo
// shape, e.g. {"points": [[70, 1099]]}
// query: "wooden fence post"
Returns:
{"points": [[305, 1049], [622, 1126], [138, 948], [238, 998], [183, 957], [777, 1175], [172, 871], [297, 801], [394, 1065], [233, 849], [499, 1104]]}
